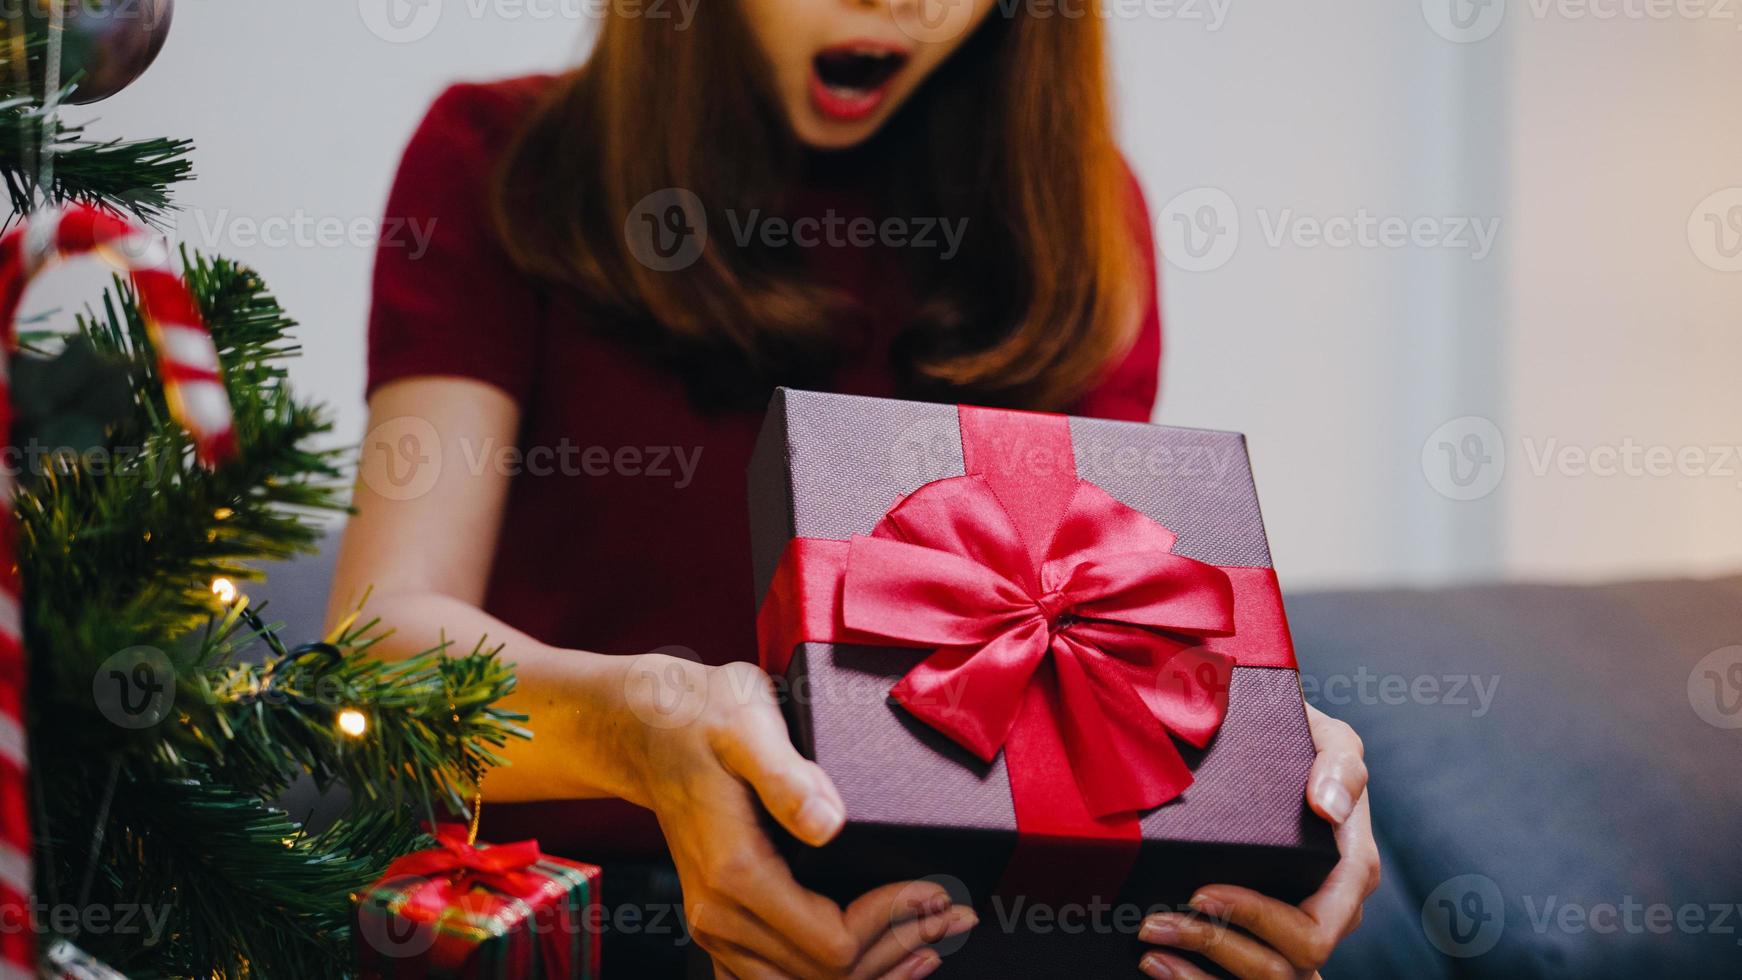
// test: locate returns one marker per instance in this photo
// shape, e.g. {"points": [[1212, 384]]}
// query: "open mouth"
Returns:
{"points": [[849, 81]]}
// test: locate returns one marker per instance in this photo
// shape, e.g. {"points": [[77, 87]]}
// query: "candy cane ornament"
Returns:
{"points": [[187, 363]]}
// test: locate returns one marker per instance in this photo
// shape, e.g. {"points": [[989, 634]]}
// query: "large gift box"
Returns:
{"points": [[1045, 661]]}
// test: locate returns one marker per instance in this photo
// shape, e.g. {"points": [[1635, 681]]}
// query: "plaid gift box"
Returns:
{"points": [[465, 912]]}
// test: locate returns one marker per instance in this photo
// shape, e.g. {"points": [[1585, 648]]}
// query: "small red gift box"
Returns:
{"points": [[1044, 659], [464, 912]]}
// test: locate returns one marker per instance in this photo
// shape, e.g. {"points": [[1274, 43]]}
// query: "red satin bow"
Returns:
{"points": [[496, 867], [1108, 600]]}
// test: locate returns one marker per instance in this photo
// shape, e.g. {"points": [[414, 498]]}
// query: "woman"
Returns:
{"points": [[565, 386]]}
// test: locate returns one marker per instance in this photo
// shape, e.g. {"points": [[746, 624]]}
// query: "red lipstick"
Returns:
{"points": [[849, 81]]}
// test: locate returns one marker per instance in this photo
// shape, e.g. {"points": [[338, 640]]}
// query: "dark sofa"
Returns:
{"points": [[1555, 789], [1588, 823]]}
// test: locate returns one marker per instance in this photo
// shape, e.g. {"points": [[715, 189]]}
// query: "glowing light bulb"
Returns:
{"points": [[353, 722], [225, 590]]}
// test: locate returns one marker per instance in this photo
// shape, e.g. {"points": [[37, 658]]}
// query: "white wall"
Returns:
{"points": [[1620, 330], [1591, 320], [299, 114], [1337, 361], [1592, 136]]}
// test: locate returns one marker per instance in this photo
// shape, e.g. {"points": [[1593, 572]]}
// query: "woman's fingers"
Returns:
{"points": [[733, 878], [908, 944], [875, 912], [898, 922], [1164, 967], [919, 964], [1339, 773], [755, 747], [750, 948], [1294, 936], [1239, 953], [760, 918], [791, 917], [1306, 935], [1338, 901], [742, 964]]}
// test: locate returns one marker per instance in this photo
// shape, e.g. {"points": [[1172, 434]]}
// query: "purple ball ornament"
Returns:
{"points": [[105, 44]]}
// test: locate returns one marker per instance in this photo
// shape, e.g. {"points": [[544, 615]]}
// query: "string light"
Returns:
{"points": [[229, 595], [353, 722], [225, 590]]}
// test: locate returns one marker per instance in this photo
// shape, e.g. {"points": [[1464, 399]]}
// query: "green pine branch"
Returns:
{"points": [[233, 887], [131, 176], [431, 724], [142, 540], [119, 548]]}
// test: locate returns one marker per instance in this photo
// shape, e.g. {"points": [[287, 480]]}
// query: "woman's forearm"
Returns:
{"points": [[582, 732]]}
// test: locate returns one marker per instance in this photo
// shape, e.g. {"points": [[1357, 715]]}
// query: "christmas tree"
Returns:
{"points": [[164, 714]]}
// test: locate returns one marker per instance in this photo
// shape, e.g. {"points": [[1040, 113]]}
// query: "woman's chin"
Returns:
{"points": [[822, 132]]}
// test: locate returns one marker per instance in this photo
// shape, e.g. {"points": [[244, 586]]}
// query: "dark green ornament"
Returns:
{"points": [[66, 404]]}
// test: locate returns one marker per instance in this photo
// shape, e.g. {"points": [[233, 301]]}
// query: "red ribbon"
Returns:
{"points": [[455, 867], [1067, 633]]}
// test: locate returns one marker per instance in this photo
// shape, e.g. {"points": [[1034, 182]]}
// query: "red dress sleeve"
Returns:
{"points": [[446, 300], [1128, 390]]}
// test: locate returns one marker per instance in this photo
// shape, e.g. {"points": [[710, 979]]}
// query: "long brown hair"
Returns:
{"points": [[1013, 133]]}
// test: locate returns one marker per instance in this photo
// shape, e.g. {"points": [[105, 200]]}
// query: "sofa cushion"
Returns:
{"points": [[1556, 774]]}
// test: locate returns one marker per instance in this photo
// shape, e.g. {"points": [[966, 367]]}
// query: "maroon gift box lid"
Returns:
{"points": [[830, 466]]}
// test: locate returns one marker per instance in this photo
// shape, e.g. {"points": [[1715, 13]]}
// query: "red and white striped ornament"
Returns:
{"points": [[193, 386]]}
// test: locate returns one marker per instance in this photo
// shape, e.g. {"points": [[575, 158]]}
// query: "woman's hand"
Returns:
{"points": [[1275, 939], [707, 743], [697, 745]]}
